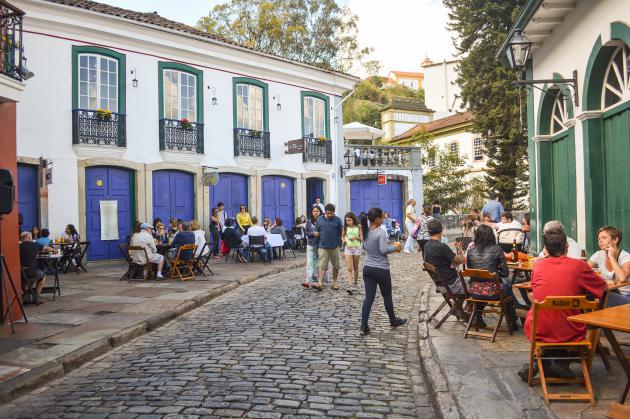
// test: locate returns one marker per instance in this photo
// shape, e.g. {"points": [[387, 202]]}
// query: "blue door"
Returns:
{"points": [[314, 189], [278, 200], [173, 195], [366, 194], [28, 195], [107, 183], [232, 191]]}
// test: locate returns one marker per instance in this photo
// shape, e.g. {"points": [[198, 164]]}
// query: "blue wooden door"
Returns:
{"points": [[278, 200], [366, 194], [173, 195], [314, 189], [232, 190], [109, 183], [28, 195]]}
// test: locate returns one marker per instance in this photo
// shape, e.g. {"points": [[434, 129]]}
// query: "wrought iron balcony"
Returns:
{"points": [[378, 157], [93, 127], [11, 47], [251, 143], [316, 151], [181, 135]]}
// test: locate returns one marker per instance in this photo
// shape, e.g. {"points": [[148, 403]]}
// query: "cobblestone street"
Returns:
{"points": [[267, 349]]}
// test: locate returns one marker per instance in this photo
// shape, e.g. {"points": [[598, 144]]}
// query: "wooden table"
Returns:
{"points": [[609, 320]]}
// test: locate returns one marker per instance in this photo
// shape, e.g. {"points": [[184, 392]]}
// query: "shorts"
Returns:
{"points": [[157, 258], [331, 255], [353, 251], [33, 276]]}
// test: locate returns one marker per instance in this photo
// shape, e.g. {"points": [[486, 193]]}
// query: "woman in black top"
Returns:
{"points": [[215, 229], [484, 253]]}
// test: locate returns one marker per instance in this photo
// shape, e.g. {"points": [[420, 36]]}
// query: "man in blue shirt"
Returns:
{"points": [[494, 208], [184, 237], [328, 230]]}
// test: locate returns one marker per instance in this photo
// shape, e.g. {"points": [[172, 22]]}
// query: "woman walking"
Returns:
{"points": [[351, 237], [312, 249], [376, 269], [410, 221]]}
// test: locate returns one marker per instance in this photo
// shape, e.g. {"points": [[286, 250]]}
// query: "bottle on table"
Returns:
{"points": [[514, 252], [584, 255]]}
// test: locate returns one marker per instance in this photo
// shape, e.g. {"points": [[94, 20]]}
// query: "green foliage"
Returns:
{"points": [[445, 181], [363, 111], [316, 32], [488, 89]]}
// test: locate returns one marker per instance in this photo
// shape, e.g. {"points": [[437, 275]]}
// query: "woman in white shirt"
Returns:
{"points": [[410, 222], [613, 263], [200, 239]]}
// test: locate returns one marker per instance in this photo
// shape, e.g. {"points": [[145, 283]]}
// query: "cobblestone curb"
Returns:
{"points": [[57, 368], [443, 401]]}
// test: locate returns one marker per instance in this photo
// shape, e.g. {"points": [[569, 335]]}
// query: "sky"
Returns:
{"points": [[402, 32]]}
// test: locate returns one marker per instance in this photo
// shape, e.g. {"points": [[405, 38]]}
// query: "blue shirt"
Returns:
{"points": [[184, 237], [44, 241], [388, 224], [329, 232], [495, 209]]}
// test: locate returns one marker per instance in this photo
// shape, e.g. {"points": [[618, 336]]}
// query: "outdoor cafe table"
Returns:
{"points": [[52, 261], [609, 320]]}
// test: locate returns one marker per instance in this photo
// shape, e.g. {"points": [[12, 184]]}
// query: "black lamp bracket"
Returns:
{"points": [[571, 82]]}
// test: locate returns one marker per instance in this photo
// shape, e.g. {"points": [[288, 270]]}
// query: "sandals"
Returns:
{"points": [[317, 287], [335, 288]]}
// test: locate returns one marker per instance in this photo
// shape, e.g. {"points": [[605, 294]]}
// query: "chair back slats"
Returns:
{"points": [[579, 302], [256, 241]]}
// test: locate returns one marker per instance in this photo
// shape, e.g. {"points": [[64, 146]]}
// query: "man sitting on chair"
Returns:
{"points": [[559, 275], [145, 239], [28, 259], [185, 236], [255, 230]]}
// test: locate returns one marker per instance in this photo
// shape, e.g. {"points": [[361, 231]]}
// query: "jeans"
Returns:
{"points": [[373, 277], [215, 241], [409, 243], [616, 299]]}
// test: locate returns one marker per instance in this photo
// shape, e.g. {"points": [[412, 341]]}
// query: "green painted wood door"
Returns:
{"points": [[617, 182], [563, 182]]}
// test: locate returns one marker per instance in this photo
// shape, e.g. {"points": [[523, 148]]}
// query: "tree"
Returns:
{"points": [[316, 32], [445, 180], [488, 89]]}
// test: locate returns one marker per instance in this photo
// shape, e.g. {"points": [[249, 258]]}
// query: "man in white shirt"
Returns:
{"points": [[318, 204], [221, 214], [145, 239], [255, 231], [508, 231], [574, 252]]}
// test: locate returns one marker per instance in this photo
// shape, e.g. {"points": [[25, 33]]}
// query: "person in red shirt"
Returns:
{"points": [[555, 276]]}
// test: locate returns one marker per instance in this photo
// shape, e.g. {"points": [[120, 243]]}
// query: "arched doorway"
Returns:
{"points": [[173, 195]]}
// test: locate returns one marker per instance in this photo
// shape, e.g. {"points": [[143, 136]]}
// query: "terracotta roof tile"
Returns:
{"points": [[449, 121]]}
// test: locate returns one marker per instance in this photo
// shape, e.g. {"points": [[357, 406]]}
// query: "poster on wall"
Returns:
{"points": [[109, 220]]}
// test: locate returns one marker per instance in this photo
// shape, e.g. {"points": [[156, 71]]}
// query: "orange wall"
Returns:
{"points": [[10, 231]]}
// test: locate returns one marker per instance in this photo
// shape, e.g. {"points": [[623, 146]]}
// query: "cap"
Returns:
{"points": [[145, 225]]}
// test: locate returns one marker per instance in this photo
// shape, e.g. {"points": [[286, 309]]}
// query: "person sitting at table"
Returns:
{"points": [[200, 239], [444, 260], [559, 275], [35, 233], [484, 253], [28, 259], [486, 219], [387, 223], [156, 221], [44, 239], [185, 236], [160, 234], [71, 235], [278, 228], [256, 231], [243, 219], [172, 227], [267, 224], [144, 239], [613, 264], [509, 232], [232, 238], [574, 252]]}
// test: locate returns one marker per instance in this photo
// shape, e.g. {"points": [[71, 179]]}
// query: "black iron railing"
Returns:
{"points": [[11, 47], [317, 151], [361, 156], [181, 135], [96, 127], [251, 143]]}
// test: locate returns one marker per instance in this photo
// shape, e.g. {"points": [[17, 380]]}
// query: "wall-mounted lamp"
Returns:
{"points": [[214, 95], [134, 82], [278, 105]]}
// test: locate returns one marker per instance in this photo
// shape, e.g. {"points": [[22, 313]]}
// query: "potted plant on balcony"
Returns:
{"points": [[103, 114], [185, 124], [322, 140]]}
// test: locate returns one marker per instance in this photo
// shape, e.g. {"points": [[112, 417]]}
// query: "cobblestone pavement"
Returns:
{"points": [[267, 349]]}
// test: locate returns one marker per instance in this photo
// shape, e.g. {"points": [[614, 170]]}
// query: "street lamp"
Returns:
{"points": [[134, 82], [518, 53], [348, 157], [278, 105], [214, 95]]}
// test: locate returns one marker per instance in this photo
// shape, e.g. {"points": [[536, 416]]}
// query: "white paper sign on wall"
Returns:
{"points": [[109, 220]]}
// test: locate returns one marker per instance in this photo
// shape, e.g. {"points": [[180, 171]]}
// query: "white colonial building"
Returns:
{"points": [[129, 110]]}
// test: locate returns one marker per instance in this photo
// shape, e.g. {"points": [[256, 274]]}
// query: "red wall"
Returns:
{"points": [[10, 229]]}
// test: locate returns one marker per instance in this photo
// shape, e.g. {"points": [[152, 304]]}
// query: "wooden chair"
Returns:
{"points": [[618, 411], [123, 248], [584, 347], [255, 243], [498, 306], [452, 300], [147, 268], [201, 261], [184, 269]]}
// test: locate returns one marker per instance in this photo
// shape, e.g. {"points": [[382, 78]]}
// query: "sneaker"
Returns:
{"points": [[159, 275], [407, 251], [524, 371], [349, 290], [397, 322], [365, 330]]}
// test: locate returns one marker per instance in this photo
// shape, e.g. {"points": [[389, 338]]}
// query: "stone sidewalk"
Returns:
{"points": [[97, 311], [474, 378]]}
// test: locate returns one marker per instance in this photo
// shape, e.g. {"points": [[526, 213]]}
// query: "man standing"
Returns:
{"points": [[328, 230], [494, 208], [318, 204], [221, 214], [145, 239], [28, 259]]}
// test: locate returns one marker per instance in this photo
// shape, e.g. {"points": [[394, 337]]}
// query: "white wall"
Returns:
{"points": [[440, 89]]}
